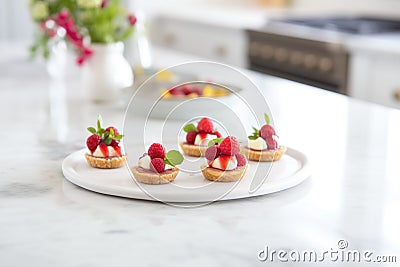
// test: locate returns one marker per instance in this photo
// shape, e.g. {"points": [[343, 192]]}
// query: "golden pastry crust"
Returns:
{"points": [[213, 174], [269, 155], [193, 150], [154, 178], [105, 163]]}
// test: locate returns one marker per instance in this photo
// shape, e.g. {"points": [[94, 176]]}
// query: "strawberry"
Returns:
{"points": [[218, 134], [266, 131], [92, 142], [229, 146], [157, 165], [271, 143], [191, 137], [205, 125], [241, 160], [212, 152], [156, 150]]}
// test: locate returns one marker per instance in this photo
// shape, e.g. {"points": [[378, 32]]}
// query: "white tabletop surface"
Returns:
{"points": [[353, 194]]}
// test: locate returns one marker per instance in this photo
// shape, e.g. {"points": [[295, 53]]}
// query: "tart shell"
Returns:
{"points": [[268, 155], [213, 174], [106, 163], [193, 150], [154, 178]]}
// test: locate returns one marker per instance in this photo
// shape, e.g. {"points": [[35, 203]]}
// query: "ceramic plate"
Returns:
{"points": [[289, 171]]}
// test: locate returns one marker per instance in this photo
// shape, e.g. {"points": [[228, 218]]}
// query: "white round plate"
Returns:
{"points": [[289, 171]]}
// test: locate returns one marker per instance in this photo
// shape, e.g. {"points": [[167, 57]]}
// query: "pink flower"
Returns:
{"points": [[132, 19], [103, 3]]}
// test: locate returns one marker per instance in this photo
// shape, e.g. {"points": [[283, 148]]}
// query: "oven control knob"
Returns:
{"points": [[281, 55], [310, 61], [296, 58], [325, 64], [254, 49], [267, 51]]}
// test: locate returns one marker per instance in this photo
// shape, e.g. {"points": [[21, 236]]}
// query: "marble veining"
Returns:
{"points": [[353, 194]]}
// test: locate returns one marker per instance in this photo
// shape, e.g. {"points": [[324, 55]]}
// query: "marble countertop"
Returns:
{"points": [[352, 195]]}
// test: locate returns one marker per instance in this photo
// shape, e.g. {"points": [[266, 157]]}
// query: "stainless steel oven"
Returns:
{"points": [[311, 50], [316, 63]]}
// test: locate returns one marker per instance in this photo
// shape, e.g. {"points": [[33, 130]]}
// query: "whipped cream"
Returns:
{"points": [[111, 152], [203, 139], [258, 144], [225, 163], [145, 162]]}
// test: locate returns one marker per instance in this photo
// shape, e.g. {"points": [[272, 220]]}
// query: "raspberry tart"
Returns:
{"points": [[104, 149], [225, 163], [156, 166], [263, 144], [198, 137]]}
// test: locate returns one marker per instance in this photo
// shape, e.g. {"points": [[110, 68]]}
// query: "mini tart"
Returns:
{"points": [[213, 174], [149, 177], [106, 163], [264, 155], [193, 150]]}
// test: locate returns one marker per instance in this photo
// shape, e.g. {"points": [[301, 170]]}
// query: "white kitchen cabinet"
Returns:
{"points": [[213, 42], [375, 77]]}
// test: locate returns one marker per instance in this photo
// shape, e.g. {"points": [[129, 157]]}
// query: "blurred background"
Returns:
{"points": [[347, 47]]}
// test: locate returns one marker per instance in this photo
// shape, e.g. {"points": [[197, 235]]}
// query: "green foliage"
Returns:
{"points": [[173, 158]]}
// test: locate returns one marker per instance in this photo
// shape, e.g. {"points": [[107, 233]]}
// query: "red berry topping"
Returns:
{"points": [[205, 125], [212, 152], [186, 89], [241, 160], [191, 137], [218, 134], [271, 143], [266, 131], [156, 150], [157, 165], [114, 143], [114, 129], [229, 146], [92, 142]]}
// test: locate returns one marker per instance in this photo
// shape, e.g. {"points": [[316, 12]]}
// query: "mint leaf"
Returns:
{"points": [[266, 118], [216, 141], [118, 137], [91, 130], [107, 140], [100, 131], [190, 128], [111, 132], [99, 123], [173, 158], [252, 137]]}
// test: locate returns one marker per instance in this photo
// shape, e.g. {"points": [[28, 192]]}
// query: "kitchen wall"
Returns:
{"points": [[15, 22]]}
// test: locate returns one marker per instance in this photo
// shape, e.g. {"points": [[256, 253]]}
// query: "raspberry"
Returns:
{"points": [[157, 165], [271, 143], [241, 160], [205, 125], [92, 142], [229, 146], [112, 127], [212, 152], [218, 134], [266, 131], [156, 150], [191, 137]]}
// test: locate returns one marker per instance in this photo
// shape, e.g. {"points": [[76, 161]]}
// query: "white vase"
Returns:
{"points": [[106, 72]]}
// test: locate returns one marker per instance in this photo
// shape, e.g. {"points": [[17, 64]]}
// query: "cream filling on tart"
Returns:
{"points": [[225, 163], [145, 162], [107, 151], [203, 139]]}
